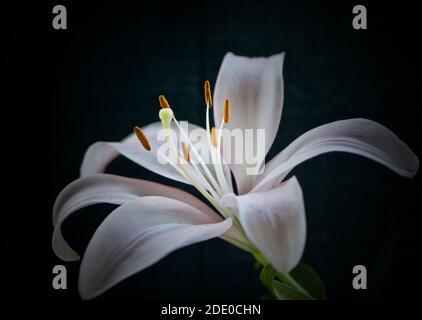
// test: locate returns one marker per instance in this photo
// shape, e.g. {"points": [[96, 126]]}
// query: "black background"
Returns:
{"points": [[101, 76]]}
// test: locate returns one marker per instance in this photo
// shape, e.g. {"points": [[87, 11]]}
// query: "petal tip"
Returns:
{"points": [[84, 293]]}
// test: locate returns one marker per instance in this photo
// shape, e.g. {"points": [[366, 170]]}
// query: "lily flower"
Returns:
{"points": [[266, 216]]}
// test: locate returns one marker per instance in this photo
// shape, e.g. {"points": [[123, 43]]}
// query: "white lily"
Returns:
{"points": [[265, 218]]}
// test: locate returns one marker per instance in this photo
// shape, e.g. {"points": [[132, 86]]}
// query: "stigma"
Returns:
{"points": [[166, 115], [211, 183]]}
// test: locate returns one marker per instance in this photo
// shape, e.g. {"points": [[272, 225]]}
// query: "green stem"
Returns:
{"points": [[289, 280], [269, 274]]}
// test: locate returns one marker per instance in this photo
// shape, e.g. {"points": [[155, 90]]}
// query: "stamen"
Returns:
{"points": [[207, 172], [207, 92], [142, 138], [214, 137], [227, 111], [186, 153], [163, 102]]}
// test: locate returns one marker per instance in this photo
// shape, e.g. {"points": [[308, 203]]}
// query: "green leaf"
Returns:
{"points": [[309, 280], [286, 289], [302, 283], [267, 278], [285, 292]]}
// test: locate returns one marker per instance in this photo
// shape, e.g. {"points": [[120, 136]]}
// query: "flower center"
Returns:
{"points": [[212, 181]]}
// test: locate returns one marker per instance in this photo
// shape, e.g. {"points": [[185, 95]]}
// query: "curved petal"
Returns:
{"points": [[105, 188], [255, 89], [100, 154], [137, 235], [359, 136], [274, 222]]}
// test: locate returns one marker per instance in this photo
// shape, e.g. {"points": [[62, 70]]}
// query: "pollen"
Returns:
{"points": [[186, 153], [227, 111], [207, 92], [163, 102], [142, 138], [214, 137]]}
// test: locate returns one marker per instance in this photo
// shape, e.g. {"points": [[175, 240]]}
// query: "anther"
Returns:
{"points": [[214, 137], [207, 92], [227, 111], [142, 138], [163, 102], [186, 153]]}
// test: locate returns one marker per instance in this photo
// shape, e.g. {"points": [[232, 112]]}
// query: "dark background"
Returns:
{"points": [[101, 76]]}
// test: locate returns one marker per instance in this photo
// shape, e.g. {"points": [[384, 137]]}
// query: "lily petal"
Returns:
{"points": [[255, 89], [105, 188], [100, 154], [274, 222], [359, 136], [137, 235]]}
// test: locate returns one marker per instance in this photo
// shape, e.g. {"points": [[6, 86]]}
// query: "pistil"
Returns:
{"points": [[203, 180]]}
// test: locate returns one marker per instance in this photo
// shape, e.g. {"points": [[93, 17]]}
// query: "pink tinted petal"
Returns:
{"points": [[100, 154], [359, 136], [274, 222], [255, 89], [137, 235], [105, 188]]}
